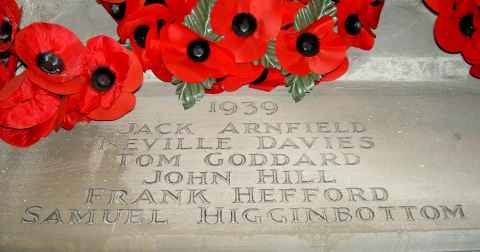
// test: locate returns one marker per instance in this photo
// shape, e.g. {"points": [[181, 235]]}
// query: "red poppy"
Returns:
{"points": [[456, 27], [317, 49], [192, 58], [54, 57], [268, 80], [147, 21], [337, 73], [247, 26], [374, 12], [10, 15], [27, 112], [243, 74], [8, 67], [69, 115], [111, 76], [354, 23], [155, 54]]}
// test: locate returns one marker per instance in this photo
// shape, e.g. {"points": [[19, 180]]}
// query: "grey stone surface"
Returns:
{"points": [[419, 145]]}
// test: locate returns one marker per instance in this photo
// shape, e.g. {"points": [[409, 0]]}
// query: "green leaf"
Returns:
{"points": [[314, 10], [190, 94], [300, 86], [208, 84], [176, 81], [199, 20], [270, 59]]}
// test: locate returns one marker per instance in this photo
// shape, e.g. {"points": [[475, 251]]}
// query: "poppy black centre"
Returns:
{"points": [[199, 50], [308, 45], [117, 11], [4, 57], [244, 24], [148, 2], [353, 26], [466, 25], [6, 31], [140, 35], [50, 63], [103, 79]]}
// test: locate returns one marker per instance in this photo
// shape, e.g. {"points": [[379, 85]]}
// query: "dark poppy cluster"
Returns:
{"points": [[50, 80], [246, 28], [457, 29]]}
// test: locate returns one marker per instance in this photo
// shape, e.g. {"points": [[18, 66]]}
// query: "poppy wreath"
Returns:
{"points": [[50, 80], [215, 46], [457, 29]]}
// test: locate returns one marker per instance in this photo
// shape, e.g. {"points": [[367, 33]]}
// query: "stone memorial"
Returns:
{"points": [[386, 159]]}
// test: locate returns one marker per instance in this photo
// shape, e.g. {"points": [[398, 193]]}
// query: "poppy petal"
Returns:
{"points": [[66, 88], [434, 5], [122, 106], [289, 11], [154, 52], [16, 92], [247, 73], [332, 54], [11, 86], [216, 89], [365, 40], [27, 137], [337, 73], [374, 12], [273, 79], [448, 35], [270, 21], [245, 49], [475, 71], [31, 112], [8, 67], [134, 78], [470, 53]]}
